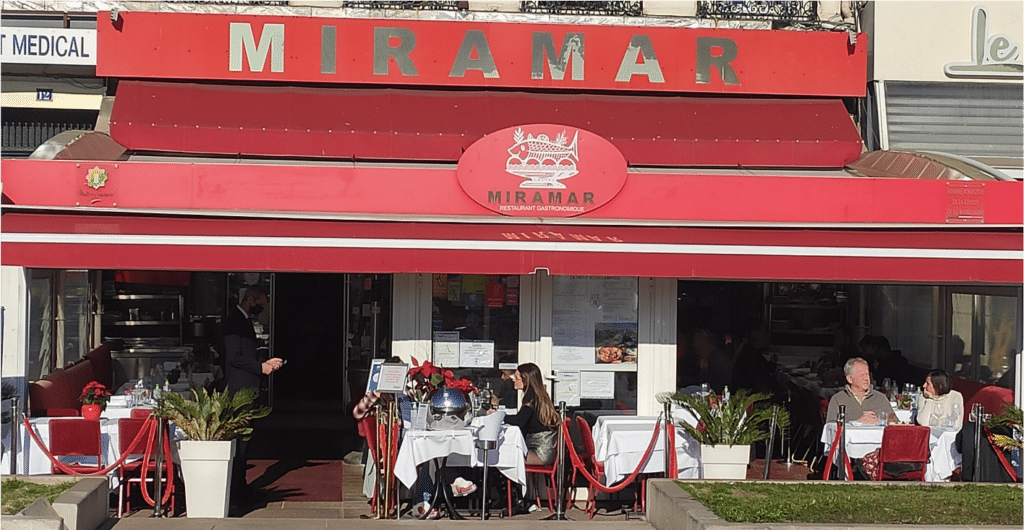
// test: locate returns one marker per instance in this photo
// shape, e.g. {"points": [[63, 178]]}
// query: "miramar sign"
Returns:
{"points": [[491, 54], [542, 170]]}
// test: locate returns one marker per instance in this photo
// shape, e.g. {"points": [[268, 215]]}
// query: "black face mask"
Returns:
{"points": [[255, 309]]}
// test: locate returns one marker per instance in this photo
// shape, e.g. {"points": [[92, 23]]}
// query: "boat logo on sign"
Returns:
{"points": [[543, 162], [542, 170]]}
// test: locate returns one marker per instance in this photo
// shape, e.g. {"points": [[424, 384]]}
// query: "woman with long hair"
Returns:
{"points": [[536, 417]]}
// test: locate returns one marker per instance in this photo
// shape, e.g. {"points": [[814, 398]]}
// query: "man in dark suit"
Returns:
{"points": [[244, 370]]}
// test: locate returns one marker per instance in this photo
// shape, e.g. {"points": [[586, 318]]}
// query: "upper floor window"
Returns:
{"points": [[758, 10], [241, 2], [606, 7]]}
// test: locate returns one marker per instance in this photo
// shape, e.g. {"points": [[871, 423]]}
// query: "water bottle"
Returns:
{"points": [[137, 393]]}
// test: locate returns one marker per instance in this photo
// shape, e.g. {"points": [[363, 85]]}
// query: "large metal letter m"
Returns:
{"points": [[272, 40]]}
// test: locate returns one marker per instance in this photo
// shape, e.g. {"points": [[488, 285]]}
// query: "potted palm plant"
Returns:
{"points": [[1010, 418], [726, 429], [211, 422]]}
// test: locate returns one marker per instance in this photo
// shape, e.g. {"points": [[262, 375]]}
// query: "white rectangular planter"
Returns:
{"points": [[724, 461], [206, 468]]}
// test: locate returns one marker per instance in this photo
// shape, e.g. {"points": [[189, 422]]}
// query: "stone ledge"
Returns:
{"points": [[84, 506], [36, 516], [669, 507]]}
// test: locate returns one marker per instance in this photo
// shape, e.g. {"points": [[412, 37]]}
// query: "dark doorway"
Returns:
{"points": [[309, 322]]}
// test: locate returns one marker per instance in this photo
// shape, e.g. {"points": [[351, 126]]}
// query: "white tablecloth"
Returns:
{"points": [[460, 448], [862, 439], [620, 442], [32, 460]]}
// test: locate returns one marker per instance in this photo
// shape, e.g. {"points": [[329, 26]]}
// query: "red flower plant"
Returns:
{"points": [[426, 378], [95, 393]]}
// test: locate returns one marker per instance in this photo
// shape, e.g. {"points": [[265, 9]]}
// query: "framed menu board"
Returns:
{"points": [[594, 320]]}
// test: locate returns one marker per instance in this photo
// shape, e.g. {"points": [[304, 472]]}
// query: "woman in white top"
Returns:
{"points": [[940, 406]]}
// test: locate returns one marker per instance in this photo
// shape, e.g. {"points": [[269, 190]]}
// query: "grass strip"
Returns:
{"points": [[762, 502], [16, 494]]}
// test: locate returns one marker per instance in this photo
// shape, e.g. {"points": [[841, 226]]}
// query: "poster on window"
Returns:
{"points": [[594, 320], [446, 349], [597, 385], [567, 387], [476, 354], [615, 342]]}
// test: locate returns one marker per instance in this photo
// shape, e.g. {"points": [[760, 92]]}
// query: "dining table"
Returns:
{"points": [[621, 441], [458, 448], [862, 439]]}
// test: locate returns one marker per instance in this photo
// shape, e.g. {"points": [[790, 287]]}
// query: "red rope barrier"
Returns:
{"points": [[578, 464], [673, 464], [152, 426], [61, 466], [831, 455]]}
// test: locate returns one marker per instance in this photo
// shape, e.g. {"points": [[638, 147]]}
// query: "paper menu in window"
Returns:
{"points": [[567, 387], [476, 354], [446, 349], [597, 385]]}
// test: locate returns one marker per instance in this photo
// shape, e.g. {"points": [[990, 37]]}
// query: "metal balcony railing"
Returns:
{"points": [[621, 9], [424, 5], [758, 10], [238, 2], [21, 138]]}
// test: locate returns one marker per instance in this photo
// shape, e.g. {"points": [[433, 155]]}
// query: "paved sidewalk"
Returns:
{"points": [[328, 516]]}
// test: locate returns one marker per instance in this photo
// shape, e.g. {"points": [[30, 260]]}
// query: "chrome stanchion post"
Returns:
{"points": [[787, 435], [559, 514], [979, 418], [158, 474], [15, 434], [841, 424], [668, 449], [771, 444]]}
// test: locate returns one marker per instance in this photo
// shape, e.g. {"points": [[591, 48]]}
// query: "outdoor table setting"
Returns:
{"points": [[621, 441], [32, 461], [459, 448], [862, 439]]}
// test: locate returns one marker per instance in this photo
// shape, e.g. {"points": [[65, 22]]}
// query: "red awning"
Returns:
{"points": [[437, 125], [179, 243]]}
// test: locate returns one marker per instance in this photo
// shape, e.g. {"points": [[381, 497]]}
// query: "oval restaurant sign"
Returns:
{"points": [[542, 170]]}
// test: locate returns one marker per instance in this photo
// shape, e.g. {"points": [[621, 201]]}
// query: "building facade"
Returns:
{"points": [[488, 185]]}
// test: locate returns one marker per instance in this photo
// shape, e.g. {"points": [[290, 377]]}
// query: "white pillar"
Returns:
{"points": [[656, 358], [14, 296], [411, 305]]}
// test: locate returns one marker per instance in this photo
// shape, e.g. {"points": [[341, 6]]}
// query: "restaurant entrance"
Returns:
{"points": [[328, 327]]}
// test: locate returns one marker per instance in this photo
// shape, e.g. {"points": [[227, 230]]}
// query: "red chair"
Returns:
{"points": [[991, 397], [141, 413], [588, 455], [130, 472], [904, 444], [76, 437], [549, 472], [62, 413]]}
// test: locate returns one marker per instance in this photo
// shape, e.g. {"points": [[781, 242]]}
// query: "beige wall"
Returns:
{"points": [[913, 41]]}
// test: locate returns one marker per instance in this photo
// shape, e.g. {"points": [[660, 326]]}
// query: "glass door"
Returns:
{"points": [[984, 334]]}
